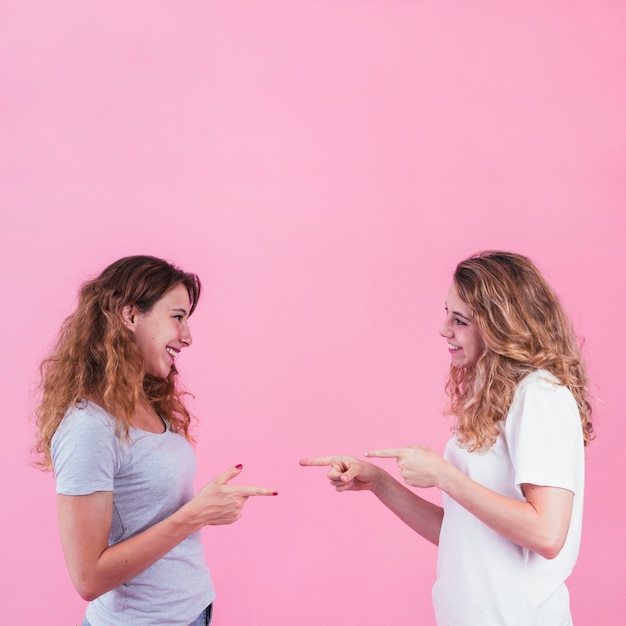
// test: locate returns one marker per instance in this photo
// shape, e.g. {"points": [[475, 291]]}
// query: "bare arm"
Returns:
{"points": [[540, 522], [348, 473], [85, 522]]}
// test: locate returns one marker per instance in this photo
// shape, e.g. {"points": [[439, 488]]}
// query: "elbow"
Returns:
{"points": [[87, 593], [87, 589], [548, 552], [550, 547]]}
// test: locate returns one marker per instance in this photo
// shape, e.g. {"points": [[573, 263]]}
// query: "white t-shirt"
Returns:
{"points": [[484, 579]]}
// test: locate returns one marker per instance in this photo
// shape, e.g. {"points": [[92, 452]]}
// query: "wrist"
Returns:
{"points": [[447, 478], [380, 481], [185, 521]]}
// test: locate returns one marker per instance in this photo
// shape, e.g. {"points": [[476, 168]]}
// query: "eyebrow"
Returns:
{"points": [[181, 310], [469, 319]]}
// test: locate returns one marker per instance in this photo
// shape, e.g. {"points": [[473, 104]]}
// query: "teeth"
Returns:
{"points": [[452, 347], [172, 353]]}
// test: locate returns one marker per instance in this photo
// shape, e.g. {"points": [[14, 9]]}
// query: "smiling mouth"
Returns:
{"points": [[453, 347], [173, 353]]}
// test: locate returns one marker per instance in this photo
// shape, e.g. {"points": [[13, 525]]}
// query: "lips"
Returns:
{"points": [[172, 352], [453, 347]]}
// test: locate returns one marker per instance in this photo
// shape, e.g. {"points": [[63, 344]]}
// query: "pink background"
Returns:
{"points": [[322, 166]]}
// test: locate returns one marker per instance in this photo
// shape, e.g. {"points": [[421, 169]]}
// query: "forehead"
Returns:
{"points": [[454, 302], [176, 298]]}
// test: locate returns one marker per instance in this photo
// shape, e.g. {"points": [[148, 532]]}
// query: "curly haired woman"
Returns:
{"points": [[512, 476], [114, 428]]}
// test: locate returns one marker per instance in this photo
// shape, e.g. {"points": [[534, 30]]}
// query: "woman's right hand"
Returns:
{"points": [[220, 503], [347, 473], [85, 523]]}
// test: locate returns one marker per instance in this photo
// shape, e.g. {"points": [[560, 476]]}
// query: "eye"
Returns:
{"points": [[178, 317], [459, 322]]}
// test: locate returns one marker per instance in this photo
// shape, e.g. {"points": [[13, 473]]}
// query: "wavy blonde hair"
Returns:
{"points": [[525, 328], [96, 358]]}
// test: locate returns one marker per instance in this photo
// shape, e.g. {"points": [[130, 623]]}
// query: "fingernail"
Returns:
{"points": [[275, 493], [238, 466]]}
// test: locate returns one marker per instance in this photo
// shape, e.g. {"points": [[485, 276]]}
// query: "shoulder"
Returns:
{"points": [[543, 434], [86, 450], [85, 426], [84, 416], [540, 398], [539, 378], [541, 383]]}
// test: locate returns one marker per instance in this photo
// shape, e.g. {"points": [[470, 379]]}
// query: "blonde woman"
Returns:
{"points": [[114, 428], [512, 476]]}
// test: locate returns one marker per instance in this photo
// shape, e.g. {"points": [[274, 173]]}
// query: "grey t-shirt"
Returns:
{"points": [[151, 476]]}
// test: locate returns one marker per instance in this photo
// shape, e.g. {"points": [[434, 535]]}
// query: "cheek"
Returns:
{"points": [[480, 346], [146, 342], [477, 343]]}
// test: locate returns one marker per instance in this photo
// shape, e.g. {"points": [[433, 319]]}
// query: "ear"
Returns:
{"points": [[128, 317]]}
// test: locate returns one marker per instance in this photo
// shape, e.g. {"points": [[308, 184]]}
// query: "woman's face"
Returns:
{"points": [[464, 341], [162, 332]]}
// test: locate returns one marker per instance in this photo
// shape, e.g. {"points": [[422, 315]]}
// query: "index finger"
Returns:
{"points": [[320, 461], [386, 453], [248, 491]]}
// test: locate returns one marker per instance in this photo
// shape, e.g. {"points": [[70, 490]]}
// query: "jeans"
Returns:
{"points": [[204, 619]]}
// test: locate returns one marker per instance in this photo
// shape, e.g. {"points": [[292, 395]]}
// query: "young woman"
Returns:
{"points": [[113, 427], [512, 475]]}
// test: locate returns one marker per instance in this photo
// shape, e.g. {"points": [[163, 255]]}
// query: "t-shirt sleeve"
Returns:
{"points": [[84, 453], [544, 434]]}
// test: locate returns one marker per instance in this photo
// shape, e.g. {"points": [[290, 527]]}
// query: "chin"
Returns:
{"points": [[161, 375]]}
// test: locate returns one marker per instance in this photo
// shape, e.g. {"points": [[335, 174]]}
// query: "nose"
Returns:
{"points": [[185, 336], [445, 330]]}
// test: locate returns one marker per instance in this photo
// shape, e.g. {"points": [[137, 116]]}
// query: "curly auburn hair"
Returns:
{"points": [[525, 328], [96, 358]]}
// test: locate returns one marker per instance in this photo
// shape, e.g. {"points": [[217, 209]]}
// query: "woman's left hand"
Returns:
{"points": [[419, 465]]}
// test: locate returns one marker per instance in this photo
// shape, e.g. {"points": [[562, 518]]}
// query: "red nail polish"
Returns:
{"points": [[239, 466], [275, 493]]}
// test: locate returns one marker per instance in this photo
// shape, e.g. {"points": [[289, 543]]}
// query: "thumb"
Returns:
{"points": [[228, 474]]}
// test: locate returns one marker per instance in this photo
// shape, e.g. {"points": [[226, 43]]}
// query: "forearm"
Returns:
{"points": [[422, 516], [540, 525], [85, 524], [95, 570], [122, 562]]}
